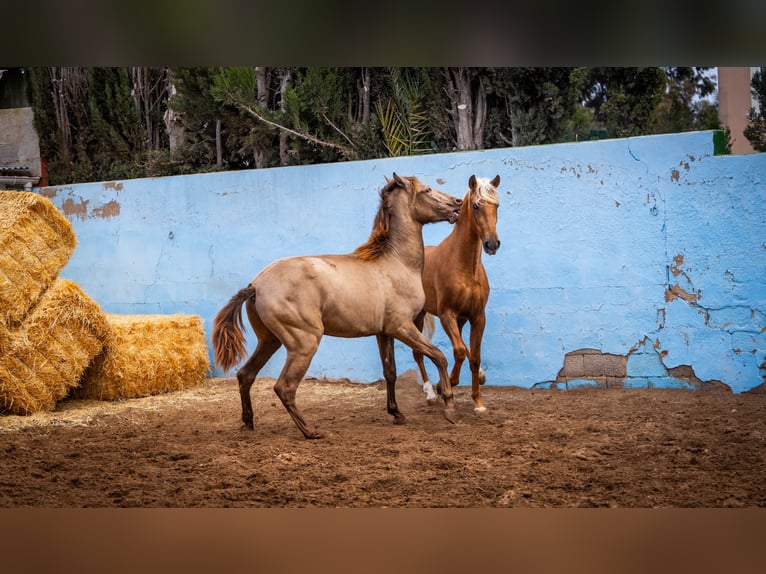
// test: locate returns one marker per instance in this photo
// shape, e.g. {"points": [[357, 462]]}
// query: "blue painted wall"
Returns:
{"points": [[605, 245]]}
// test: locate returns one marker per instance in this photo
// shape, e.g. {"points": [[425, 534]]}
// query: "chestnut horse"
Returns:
{"points": [[456, 284], [376, 290]]}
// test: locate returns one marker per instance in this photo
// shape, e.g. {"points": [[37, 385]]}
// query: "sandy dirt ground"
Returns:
{"points": [[628, 448]]}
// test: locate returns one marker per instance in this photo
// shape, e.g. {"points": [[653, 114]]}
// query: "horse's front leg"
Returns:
{"points": [[477, 373], [411, 336], [453, 326], [386, 348]]}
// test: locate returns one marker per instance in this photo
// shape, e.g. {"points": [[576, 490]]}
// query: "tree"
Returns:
{"points": [[755, 132], [623, 99], [684, 107], [211, 130], [150, 94], [59, 98], [113, 140], [530, 106], [404, 116], [87, 122]]}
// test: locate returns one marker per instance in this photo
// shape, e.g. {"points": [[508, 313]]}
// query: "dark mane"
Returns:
{"points": [[375, 246]]}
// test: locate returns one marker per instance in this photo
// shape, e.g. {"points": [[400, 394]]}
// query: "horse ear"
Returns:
{"points": [[399, 180], [472, 182], [388, 181], [495, 182]]}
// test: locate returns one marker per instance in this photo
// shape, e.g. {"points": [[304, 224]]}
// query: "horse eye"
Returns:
{"points": [[427, 190], [475, 205]]}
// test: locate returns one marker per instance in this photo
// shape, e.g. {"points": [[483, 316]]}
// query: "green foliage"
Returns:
{"points": [[39, 87], [113, 140], [205, 100], [316, 106], [94, 125], [102, 137], [623, 99], [682, 107], [403, 117], [531, 106]]}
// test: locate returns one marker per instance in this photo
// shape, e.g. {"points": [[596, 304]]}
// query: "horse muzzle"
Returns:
{"points": [[491, 246], [455, 213]]}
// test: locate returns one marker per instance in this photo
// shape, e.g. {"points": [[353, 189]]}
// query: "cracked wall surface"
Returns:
{"points": [[642, 367], [609, 249]]}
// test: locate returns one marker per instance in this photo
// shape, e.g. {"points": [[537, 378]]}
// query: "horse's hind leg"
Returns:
{"points": [[296, 365], [386, 348], [427, 387], [267, 346]]}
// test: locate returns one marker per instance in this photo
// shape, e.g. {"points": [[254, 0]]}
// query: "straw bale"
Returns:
{"points": [[147, 355], [36, 242], [48, 354]]}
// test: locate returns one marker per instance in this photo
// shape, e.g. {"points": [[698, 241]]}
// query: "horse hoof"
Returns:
{"points": [[248, 426], [400, 420], [482, 377], [480, 410], [450, 415], [311, 435]]}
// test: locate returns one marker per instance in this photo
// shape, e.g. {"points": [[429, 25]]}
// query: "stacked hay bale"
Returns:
{"points": [[48, 354], [55, 341], [146, 355], [36, 241]]}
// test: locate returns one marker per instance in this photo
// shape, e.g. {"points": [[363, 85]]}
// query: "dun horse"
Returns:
{"points": [[376, 290], [456, 284]]}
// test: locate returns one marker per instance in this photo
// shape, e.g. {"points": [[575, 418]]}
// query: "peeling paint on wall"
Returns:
{"points": [[79, 209], [113, 185], [110, 209], [642, 367], [72, 208]]}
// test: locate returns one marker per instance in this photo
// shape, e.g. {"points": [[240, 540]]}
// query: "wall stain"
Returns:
{"points": [[111, 209], [675, 269], [113, 185], [677, 292], [80, 210]]}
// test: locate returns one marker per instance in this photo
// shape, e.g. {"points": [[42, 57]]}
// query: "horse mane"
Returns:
{"points": [[375, 246], [484, 192]]}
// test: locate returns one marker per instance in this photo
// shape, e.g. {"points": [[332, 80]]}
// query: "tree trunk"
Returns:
{"points": [[218, 148], [479, 115], [62, 118], [262, 91], [150, 87], [173, 125], [468, 109], [363, 86], [284, 149], [262, 85]]}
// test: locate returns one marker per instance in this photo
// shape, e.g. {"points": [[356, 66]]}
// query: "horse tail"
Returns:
{"points": [[429, 326], [228, 340]]}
